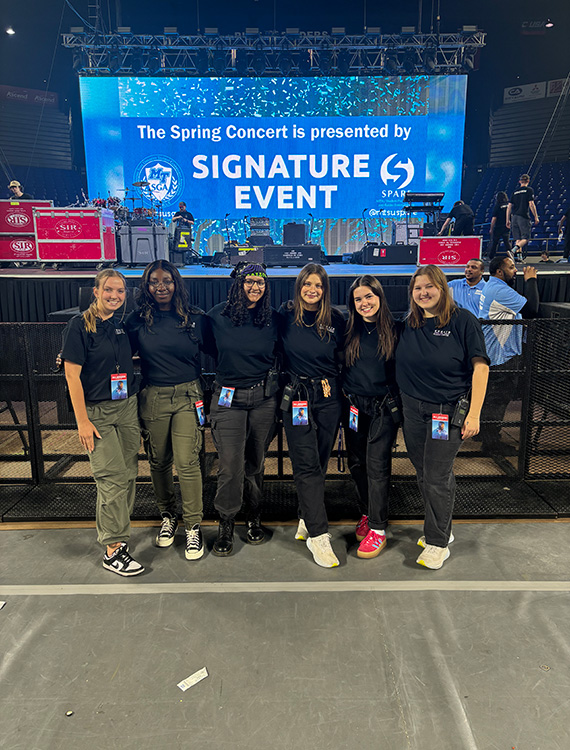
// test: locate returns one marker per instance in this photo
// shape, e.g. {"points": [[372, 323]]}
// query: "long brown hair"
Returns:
{"points": [[446, 306], [384, 322], [92, 313], [324, 315]]}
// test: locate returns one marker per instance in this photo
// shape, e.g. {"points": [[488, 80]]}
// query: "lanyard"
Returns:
{"points": [[113, 338]]}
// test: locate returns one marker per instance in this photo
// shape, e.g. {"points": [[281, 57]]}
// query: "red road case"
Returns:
{"points": [[17, 247], [16, 217], [449, 251], [75, 235]]}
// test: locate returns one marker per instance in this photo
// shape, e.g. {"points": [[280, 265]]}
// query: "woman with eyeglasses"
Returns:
{"points": [[442, 369], [369, 384], [167, 333], [312, 336], [242, 415], [97, 358]]}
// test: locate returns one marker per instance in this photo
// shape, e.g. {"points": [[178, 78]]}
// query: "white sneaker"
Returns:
{"points": [[194, 543], [322, 551], [422, 540], [433, 557], [302, 533]]}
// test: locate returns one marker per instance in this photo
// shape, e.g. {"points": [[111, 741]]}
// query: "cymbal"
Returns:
{"points": [[144, 183]]}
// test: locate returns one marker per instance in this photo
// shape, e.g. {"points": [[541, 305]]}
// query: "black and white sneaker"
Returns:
{"points": [[121, 563], [165, 536], [194, 543], [511, 254]]}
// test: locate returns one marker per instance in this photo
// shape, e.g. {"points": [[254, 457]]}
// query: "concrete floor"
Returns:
{"points": [[375, 654]]}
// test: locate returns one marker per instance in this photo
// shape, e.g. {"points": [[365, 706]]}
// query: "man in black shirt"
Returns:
{"points": [[522, 200], [463, 216], [18, 194], [184, 222]]}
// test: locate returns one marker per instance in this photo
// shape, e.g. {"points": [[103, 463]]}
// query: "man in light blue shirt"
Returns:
{"points": [[500, 302], [467, 292]]}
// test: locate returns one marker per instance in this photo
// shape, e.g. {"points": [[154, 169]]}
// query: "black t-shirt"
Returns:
{"points": [[169, 354], [99, 354], [183, 215], [520, 200], [244, 353], [306, 353], [23, 197], [434, 364], [500, 214], [462, 211], [371, 374], [567, 222]]}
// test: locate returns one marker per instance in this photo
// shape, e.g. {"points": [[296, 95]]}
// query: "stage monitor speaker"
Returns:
{"points": [[388, 255], [292, 255], [246, 254], [430, 229], [555, 309], [294, 234]]}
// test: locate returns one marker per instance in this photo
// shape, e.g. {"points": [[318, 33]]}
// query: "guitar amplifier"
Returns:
{"points": [[292, 255], [247, 254], [373, 254], [294, 234]]}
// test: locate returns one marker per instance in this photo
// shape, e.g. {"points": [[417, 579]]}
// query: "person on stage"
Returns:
{"points": [[167, 333], [441, 366], [17, 191], [184, 222], [97, 355], [312, 338], [243, 333], [498, 230], [369, 385], [463, 216]]}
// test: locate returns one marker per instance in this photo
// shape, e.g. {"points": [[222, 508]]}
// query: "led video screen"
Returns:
{"points": [[283, 148]]}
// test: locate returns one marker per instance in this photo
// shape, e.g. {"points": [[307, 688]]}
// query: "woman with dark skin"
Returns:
{"points": [[167, 333], [369, 385], [312, 336], [440, 361], [243, 333]]}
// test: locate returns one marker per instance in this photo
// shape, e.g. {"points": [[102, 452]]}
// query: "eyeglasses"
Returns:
{"points": [[260, 283], [159, 284]]}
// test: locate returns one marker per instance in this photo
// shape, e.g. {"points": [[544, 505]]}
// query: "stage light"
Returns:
{"points": [[252, 31], [338, 30], [292, 31], [76, 29], [391, 64], [409, 63], [285, 63], [170, 30], [408, 29], [211, 31], [10, 31], [469, 29], [373, 30], [325, 62], [468, 62], [549, 24], [123, 29]]}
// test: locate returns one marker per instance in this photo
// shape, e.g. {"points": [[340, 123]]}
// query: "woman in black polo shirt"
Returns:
{"points": [[440, 358], [312, 336], [244, 402], [98, 358], [369, 385], [166, 331]]}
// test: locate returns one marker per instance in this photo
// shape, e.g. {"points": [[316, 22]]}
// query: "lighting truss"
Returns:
{"points": [[273, 54]]}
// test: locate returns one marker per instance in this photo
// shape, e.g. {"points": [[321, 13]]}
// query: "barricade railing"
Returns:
{"points": [[525, 425]]}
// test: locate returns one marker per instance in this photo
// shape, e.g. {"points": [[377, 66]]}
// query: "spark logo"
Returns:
{"points": [[387, 177]]}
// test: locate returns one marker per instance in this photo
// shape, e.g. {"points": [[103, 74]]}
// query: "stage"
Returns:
{"points": [[29, 295]]}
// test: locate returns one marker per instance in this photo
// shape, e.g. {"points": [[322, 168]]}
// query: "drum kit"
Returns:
{"points": [[148, 211]]}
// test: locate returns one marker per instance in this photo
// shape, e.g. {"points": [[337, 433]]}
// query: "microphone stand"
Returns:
{"points": [[365, 227], [311, 230]]}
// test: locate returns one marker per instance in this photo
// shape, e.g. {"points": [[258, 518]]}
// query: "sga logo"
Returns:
{"points": [[164, 176]]}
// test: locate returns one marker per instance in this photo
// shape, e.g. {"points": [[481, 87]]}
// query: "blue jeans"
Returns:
{"points": [[433, 462]]}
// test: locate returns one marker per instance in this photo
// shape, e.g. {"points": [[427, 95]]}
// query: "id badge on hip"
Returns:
{"points": [[440, 427], [226, 397], [300, 413], [353, 421]]}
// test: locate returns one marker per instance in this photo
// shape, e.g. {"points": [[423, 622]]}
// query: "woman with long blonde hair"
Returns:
{"points": [[100, 377], [312, 337], [442, 369]]}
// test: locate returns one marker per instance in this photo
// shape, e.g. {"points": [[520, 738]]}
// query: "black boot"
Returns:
{"points": [[254, 531], [224, 544]]}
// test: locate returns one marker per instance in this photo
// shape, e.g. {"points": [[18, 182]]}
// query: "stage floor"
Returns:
{"points": [[216, 272]]}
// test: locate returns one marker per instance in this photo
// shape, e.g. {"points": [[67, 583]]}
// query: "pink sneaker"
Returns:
{"points": [[362, 529], [372, 545]]}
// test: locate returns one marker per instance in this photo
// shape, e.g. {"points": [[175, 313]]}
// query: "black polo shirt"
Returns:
{"points": [[98, 354], [169, 354], [370, 375], [520, 199], [434, 364], [306, 352], [245, 353]]}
